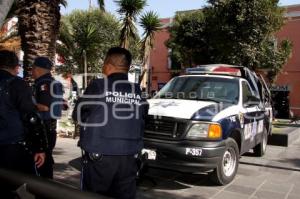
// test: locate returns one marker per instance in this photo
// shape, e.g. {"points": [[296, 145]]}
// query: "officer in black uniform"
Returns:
{"points": [[48, 95], [18, 123], [111, 114]]}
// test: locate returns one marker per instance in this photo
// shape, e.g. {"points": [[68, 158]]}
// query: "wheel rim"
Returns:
{"points": [[264, 142], [229, 162]]}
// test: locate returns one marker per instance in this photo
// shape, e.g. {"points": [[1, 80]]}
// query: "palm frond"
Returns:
{"points": [[64, 3], [128, 31], [8, 37], [101, 5], [130, 8], [150, 23], [65, 35]]}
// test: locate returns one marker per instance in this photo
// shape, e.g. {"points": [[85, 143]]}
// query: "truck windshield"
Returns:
{"points": [[204, 88]]}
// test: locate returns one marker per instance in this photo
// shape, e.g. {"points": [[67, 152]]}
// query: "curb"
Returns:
{"points": [[271, 165], [286, 138]]}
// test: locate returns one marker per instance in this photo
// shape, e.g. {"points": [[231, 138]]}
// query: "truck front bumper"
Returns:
{"points": [[173, 154]]}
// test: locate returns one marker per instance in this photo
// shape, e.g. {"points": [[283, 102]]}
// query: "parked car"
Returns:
{"points": [[205, 120]]}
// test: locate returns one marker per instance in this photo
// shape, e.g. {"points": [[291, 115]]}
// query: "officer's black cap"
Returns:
{"points": [[43, 62]]}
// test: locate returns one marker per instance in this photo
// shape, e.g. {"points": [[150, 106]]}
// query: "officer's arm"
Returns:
{"points": [[92, 89], [21, 95], [44, 97], [42, 108]]}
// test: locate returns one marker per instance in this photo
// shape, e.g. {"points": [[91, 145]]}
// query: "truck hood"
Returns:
{"points": [[176, 108]]}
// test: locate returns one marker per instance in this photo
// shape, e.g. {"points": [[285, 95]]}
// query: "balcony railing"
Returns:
{"points": [[43, 188]]}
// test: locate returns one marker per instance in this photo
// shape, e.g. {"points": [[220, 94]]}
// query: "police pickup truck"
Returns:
{"points": [[205, 120]]}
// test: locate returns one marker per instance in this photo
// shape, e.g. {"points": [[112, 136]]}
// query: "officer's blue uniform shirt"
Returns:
{"points": [[119, 114], [15, 107], [49, 92]]}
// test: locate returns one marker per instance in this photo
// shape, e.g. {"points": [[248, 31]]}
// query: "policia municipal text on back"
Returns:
{"points": [[111, 114]]}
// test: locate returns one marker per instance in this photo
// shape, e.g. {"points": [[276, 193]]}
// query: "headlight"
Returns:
{"points": [[210, 131], [198, 131]]}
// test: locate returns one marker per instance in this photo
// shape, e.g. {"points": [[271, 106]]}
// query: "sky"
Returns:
{"points": [[164, 8]]}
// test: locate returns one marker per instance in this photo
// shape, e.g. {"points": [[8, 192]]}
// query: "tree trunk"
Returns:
{"points": [[145, 75], [38, 27], [124, 44], [5, 6]]}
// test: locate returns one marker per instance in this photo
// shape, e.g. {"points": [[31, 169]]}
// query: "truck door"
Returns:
{"points": [[253, 117], [267, 99]]}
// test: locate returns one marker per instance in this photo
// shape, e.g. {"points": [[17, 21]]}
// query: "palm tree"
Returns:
{"points": [[129, 10], [39, 23], [101, 4], [151, 24]]}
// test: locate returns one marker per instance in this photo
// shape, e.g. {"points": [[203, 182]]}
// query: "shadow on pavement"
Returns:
{"points": [[58, 151], [295, 162], [60, 167], [76, 163], [166, 195], [162, 179]]}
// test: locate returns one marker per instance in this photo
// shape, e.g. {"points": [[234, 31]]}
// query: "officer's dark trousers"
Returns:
{"points": [[113, 176], [14, 157], [46, 170]]}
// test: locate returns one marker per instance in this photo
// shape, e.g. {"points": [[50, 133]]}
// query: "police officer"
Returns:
{"points": [[16, 110], [111, 113], [48, 95]]}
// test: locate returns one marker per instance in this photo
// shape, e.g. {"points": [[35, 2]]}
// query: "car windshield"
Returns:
{"points": [[206, 88]]}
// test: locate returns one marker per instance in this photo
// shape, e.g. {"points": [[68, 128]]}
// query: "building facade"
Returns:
{"points": [[288, 80]]}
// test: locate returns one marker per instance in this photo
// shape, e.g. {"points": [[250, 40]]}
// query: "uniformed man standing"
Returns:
{"points": [[111, 114], [18, 123], [48, 95]]}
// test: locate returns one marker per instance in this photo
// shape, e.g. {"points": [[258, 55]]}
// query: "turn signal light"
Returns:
{"points": [[215, 131]]}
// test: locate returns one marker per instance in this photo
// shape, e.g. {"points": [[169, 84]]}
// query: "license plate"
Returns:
{"points": [[151, 154], [193, 151]]}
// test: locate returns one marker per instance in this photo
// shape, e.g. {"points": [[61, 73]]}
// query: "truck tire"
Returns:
{"points": [[227, 167], [261, 148]]}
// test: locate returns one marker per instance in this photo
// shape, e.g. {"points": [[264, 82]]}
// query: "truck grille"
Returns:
{"points": [[164, 128]]}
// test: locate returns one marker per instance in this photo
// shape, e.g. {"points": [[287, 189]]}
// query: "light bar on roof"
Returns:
{"points": [[215, 69]]}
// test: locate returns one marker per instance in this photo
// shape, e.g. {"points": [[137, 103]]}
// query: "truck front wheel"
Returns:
{"points": [[227, 167]]}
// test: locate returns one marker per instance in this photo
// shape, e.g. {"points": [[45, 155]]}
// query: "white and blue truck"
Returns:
{"points": [[205, 120]]}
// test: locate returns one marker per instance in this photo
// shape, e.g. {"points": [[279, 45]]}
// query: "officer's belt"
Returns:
{"points": [[97, 156]]}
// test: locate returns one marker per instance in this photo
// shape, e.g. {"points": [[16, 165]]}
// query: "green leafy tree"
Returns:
{"points": [[188, 42], [274, 57], [236, 32], [151, 24], [92, 31], [129, 10]]}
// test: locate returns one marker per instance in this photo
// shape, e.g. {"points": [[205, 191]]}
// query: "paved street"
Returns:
{"points": [[275, 176]]}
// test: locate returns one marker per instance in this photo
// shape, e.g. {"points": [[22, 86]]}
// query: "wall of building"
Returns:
{"points": [[290, 76], [160, 69]]}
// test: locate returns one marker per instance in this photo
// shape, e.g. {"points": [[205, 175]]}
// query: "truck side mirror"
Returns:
{"points": [[252, 101]]}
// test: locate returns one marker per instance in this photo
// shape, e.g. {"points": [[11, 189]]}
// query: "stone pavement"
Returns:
{"points": [[275, 176]]}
